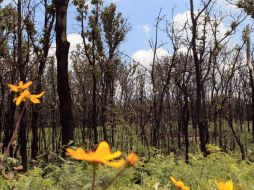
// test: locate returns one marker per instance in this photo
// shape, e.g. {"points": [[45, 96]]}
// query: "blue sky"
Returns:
{"points": [[141, 15]]}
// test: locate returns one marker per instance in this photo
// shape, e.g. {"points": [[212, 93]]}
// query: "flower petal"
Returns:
{"points": [[185, 188], [34, 100], [38, 95], [13, 87], [179, 184], [172, 179], [132, 158], [103, 150], [229, 185], [18, 100], [79, 154], [116, 164], [20, 84], [25, 94], [113, 155], [26, 85]]}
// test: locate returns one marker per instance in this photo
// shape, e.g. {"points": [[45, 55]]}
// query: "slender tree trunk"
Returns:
{"points": [[186, 127], [215, 122], [22, 132], [238, 141], [104, 108], [9, 125], [23, 141], [199, 86], [35, 138], [35, 123], [49, 20], [252, 106], [180, 123], [220, 129], [94, 113], [251, 74], [63, 89]]}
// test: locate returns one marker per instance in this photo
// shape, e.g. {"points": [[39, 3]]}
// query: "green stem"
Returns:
{"points": [[114, 178], [14, 134], [94, 176]]}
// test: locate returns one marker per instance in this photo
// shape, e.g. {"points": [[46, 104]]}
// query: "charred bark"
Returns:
{"points": [[63, 88]]}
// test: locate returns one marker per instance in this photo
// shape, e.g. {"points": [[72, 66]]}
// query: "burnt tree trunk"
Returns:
{"points": [[235, 135], [63, 89], [49, 19], [200, 118], [35, 120], [9, 125], [22, 132], [251, 74], [186, 118], [94, 112]]}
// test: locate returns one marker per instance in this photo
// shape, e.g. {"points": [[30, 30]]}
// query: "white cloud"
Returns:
{"points": [[145, 57], [6, 2], [74, 39], [182, 24], [145, 29], [115, 1], [225, 5]]}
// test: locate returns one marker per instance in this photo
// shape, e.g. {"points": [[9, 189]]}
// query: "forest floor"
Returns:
{"points": [[152, 171]]}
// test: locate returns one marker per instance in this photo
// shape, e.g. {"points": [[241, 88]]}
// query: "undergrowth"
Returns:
{"points": [[200, 174]]}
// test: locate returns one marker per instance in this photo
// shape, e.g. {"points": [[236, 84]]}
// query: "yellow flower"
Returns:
{"points": [[132, 158], [185, 188], [179, 184], [101, 155], [26, 95], [228, 185], [21, 86]]}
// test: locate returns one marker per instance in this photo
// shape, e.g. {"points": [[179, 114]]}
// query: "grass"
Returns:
{"points": [[200, 174]]}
